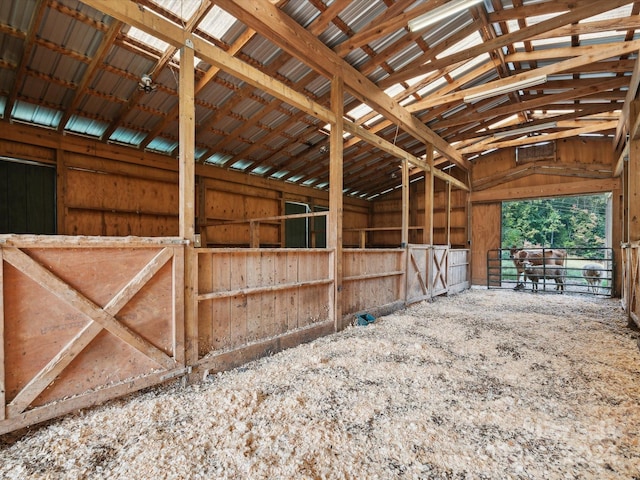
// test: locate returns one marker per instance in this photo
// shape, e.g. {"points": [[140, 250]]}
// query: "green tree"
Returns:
{"points": [[559, 222]]}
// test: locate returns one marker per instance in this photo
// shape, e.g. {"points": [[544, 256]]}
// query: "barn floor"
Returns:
{"points": [[484, 384]]}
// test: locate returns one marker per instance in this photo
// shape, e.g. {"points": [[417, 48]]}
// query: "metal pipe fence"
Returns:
{"points": [[503, 273]]}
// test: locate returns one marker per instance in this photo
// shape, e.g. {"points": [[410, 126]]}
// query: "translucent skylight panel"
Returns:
{"points": [[552, 42], [373, 120], [127, 136], [360, 111], [162, 145], [394, 90], [261, 169], [470, 41], [432, 87], [85, 126], [147, 39], [219, 158], [534, 20], [242, 164], [619, 12], [36, 114], [504, 122], [180, 8], [217, 22], [470, 65]]}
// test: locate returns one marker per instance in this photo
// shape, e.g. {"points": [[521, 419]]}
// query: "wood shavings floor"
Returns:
{"points": [[481, 385]]}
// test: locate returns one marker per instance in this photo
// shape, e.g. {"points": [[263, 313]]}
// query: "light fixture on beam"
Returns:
{"points": [[511, 87], [440, 13], [524, 130]]}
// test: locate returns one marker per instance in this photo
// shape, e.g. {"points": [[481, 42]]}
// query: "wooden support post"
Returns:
{"points": [[334, 228], [447, 211], [427, 233], [187, 198], [404, 237], [633, 190]]}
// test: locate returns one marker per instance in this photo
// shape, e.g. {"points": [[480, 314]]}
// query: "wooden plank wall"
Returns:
{"points": [[253, 296], [486, 219], [387, 212], [459, 267], [372, 278], [219, 201], [109, 198], [106, 189]]}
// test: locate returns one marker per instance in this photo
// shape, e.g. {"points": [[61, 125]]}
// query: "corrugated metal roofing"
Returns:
{"points": [[41, 86]]}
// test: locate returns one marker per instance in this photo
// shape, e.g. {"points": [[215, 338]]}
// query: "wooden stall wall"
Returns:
{"points": [[222, 201], [86, 319], [252, 302], [105, 189], [110, 198], [450, 217], [373, 280]]}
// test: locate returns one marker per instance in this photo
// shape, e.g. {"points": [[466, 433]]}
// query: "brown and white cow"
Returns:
{"points": [[554, 257], [537, 272]]}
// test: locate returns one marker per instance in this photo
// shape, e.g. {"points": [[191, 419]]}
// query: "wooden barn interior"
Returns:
{"points": [[191, 184]]}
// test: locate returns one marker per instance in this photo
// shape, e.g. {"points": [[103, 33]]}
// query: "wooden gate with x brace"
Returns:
{"points": [[84, 321], [427, 272]]}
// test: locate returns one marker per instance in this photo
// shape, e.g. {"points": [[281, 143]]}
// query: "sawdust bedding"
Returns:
{"points": [[484, 384]]}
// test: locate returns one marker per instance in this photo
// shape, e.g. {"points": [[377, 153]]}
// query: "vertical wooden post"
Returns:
{"points": [[633, 189], [404, 240], [187, 197], [427, 233], [334, 228], [447, 212]]}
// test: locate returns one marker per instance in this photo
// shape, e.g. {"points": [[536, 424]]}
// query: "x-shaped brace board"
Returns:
{"points": [[101, 318]]}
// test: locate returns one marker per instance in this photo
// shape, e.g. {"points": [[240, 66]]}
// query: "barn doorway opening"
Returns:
{"points": [[27, 197], [578, 225]]}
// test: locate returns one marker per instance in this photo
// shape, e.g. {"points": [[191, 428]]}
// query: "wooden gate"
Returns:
{"points": [[631, 280], [83, 320], [418, 273], [427, 272], [440, 270]]}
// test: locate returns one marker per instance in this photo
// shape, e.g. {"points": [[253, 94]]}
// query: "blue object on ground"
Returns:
{"points": [[365, 319]]}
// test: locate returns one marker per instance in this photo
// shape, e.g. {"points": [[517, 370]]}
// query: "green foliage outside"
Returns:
{"points": [[568, 222]]}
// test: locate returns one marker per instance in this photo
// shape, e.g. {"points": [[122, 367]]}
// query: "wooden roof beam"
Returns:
{"points": [[291, 37], [586, 9], [596, 54], [165, 30]]}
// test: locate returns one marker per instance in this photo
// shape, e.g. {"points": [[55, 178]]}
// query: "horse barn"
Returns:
{"points": [[265, 207]]}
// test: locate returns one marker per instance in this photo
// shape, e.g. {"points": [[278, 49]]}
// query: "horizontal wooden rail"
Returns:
{"points": [[267, 219], [254, 224], [372, 275], [363, 232], [256, 290]]}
